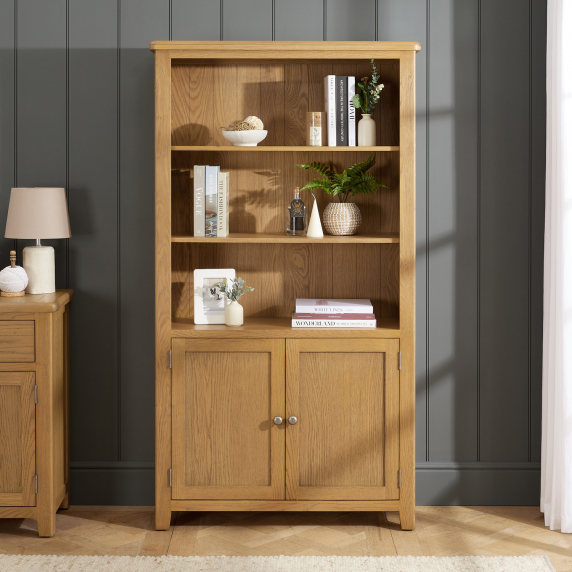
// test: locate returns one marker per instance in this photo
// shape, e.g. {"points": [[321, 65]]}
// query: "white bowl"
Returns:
{"points": [[245, 138]]}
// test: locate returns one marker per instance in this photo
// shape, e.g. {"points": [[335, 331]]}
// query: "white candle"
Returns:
{"points": [[315, 226]]}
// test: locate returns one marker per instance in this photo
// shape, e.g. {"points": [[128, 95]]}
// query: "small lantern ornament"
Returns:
{"points": [[13, 279]]}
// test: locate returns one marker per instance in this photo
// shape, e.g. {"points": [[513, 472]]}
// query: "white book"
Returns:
{"points": [[351, 111], [199, 199], [325, 306], [222, 205], [330, 108], [211, 200], [325, 323]]}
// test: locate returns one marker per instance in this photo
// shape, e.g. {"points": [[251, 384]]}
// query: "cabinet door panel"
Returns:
{"points": [[345, 395], [17, 439], [225, 395]]}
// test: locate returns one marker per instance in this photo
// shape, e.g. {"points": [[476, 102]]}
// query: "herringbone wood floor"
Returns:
{"points": [[441, 531]]}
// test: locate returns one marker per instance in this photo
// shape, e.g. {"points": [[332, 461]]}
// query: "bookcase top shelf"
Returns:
{"points": [[214, 50], [282, 148], [239, 237]]}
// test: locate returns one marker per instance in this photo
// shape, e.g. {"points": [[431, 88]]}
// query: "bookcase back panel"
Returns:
{"points": [[280, 273], [206, 97], [262, 183]]}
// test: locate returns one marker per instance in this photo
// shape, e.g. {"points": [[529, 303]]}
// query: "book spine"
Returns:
{"points": [[341, 110], [330, 108], [335, 317], [357, 309], [210, 201], [351, 111], [333, 323], [199, 199], [222, 205]]}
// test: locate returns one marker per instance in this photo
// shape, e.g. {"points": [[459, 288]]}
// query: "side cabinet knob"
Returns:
{"points": [[292, 420], [277, 420]]}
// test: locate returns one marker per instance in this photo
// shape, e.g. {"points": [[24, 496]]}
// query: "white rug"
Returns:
{"points": [[10, 563]]}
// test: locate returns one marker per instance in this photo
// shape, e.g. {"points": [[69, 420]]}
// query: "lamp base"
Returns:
{"points": [[12, 294], [39, 264]]}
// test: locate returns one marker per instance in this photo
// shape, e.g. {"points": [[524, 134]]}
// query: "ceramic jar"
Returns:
{"points": [[234, 314]]}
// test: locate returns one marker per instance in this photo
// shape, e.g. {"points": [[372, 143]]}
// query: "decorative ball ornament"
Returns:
{"points": [[13, 279]]}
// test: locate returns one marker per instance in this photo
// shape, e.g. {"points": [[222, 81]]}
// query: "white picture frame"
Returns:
{"points": [[209, 304]]}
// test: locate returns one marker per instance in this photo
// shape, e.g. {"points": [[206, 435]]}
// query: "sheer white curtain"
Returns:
{"points": [[556, 487]]}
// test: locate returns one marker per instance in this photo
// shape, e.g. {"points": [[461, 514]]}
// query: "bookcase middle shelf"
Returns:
{"points": [[282, 148], [241, 237]]}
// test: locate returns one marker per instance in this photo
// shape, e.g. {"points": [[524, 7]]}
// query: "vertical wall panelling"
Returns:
{"points": [[93, 212], [452, 233], [350, 20], [247, 20], [41, 104], [195, 20], [299, 19], [538, 173], [7, 118], [141, 22], [107, 93], [398, 20], [505, 227]]}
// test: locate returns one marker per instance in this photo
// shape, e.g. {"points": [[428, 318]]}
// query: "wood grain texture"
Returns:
{"points": [[216, 84], [162, 288], [35, 303], [285, 505], [225, 395], [17, 446], [284, 50], [17, 341], [333, 385], [407, 288], [59, 413]]}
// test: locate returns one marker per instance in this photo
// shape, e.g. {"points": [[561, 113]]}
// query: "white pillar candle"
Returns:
{"points": [[315, 226]]}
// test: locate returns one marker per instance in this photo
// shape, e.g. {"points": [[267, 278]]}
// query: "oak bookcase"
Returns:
{"points": [[218, 389]]}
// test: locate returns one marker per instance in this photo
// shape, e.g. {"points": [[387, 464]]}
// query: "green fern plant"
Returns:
{"points": [[353, 181]]}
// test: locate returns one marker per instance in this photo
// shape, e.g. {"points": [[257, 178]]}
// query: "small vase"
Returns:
{"points": [[366, 131], [233, 314], [341, 219]]}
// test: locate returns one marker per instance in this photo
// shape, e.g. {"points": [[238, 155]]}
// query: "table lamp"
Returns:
{"points": [[37, 213]]}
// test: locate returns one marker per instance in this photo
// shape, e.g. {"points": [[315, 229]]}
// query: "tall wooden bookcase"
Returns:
{"points": [[346, 397]]}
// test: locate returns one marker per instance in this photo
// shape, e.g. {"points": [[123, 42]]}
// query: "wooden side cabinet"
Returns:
{"points": [[34, 413]]}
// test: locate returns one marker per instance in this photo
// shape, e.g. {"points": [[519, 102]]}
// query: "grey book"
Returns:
{"points": [[199, 199]]}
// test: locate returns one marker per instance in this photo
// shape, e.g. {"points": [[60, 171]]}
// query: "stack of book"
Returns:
{"points": [[210, 201], [312, 313], [340, 111]]}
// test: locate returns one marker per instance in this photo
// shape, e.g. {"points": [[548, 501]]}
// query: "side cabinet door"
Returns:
{"points": [[17, 439], [344, 394], [225, 396]]}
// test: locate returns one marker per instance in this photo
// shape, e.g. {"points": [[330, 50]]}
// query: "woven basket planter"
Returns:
{"points": [[341, 219]]}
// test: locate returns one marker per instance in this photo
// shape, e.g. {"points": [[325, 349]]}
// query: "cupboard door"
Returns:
{"points": [[225, 396], [17, 439], [344, 394]]}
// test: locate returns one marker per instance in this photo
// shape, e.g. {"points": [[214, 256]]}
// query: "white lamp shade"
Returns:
{"points": [[40, 212]]}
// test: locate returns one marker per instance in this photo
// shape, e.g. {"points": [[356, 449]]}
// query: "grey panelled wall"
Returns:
{"points": [[76, 110]]}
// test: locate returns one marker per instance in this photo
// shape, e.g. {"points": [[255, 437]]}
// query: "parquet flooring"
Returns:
{"points": [[441, 531]]}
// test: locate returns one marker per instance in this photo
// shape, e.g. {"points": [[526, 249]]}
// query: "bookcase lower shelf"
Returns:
{"points": [[279, 328]]}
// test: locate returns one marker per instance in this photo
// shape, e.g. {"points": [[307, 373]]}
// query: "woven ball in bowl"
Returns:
{"points": [[341, 219]]}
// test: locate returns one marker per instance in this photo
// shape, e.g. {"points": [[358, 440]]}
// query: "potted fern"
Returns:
{"points": [[344, 217]]}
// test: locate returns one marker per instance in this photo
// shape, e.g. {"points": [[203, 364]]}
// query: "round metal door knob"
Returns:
{"points": [[292, 420], [277, 420]]}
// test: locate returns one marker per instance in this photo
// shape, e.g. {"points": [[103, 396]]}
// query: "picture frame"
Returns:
{"points": [[209, 302]]}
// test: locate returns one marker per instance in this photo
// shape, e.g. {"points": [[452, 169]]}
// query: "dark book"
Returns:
{"points": [[342, 110]]}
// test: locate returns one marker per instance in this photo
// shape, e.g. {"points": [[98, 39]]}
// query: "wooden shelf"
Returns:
{"points": [[279, 328], [240, 237], [283, 148]]}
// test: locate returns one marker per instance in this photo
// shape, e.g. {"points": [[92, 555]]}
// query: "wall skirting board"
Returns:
{"points": [[132, 483]]}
